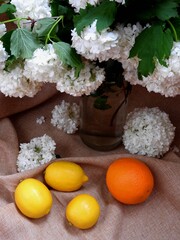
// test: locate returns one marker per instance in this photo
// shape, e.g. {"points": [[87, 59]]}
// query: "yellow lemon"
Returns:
{"points": [[83, 211], [65, 176], [33, 198]]}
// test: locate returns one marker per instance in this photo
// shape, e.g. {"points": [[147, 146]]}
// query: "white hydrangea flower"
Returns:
{"points": [[44, 66], [38, 151], [14, 84], [81, 4], [89, 79], [126, 40], [32, 9], [148, 131], [3, 56], [96, 46], [40, 120], [164, 80], [66, 117], [2, 29]]}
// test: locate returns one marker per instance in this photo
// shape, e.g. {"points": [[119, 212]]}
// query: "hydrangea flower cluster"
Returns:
{"points": [[44, 66], [96, 46], [66, 117], [33, 9], [81, 4], [65, 42], [89, 79], [38, 151], [164, 80], [148, 131], [15, 84]]}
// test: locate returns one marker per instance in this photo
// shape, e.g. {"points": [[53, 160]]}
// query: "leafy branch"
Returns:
{"points": [[152, 44], [48, 37], [24, 42], [104, 13]]}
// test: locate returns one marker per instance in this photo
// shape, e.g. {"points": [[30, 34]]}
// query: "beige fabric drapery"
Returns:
{"points": [[156, 219]]}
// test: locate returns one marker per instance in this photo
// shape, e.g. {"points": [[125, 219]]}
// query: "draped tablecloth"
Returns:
{"points": [[158, 218]]}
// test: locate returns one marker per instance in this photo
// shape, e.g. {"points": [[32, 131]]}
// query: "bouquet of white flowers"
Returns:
{"points": [[66, 42]]}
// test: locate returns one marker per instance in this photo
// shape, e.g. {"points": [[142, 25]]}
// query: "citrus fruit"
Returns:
{"points": [[129, 180], [83, 211], [33, 198], [65, 176]]}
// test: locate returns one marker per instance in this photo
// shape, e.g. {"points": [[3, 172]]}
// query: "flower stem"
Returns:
{"points": [[9, 20], [126, 93], [54, 25], [174, 30], [14, 20]]}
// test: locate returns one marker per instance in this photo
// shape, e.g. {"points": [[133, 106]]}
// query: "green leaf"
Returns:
{"points": [[68, 55], [152, 43], [23, 43], [166, 9], [43, 26], [7, 8], [103, 13], [6, 39], [101, 103], [59, 8], [62, 8]]}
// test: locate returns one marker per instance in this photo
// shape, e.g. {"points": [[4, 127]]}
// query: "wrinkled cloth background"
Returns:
{"points": [[156, 219]]}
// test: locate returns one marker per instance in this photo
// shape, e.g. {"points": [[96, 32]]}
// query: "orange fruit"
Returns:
{"points": [[129, 180]]}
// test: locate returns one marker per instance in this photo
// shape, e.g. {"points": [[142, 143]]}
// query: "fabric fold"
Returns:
{"points": [[155, 219]]}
